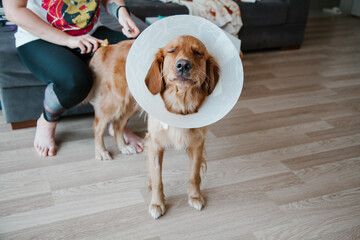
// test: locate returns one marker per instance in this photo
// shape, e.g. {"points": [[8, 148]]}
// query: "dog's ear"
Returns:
{"points": [[154, 80], [212, 75]]}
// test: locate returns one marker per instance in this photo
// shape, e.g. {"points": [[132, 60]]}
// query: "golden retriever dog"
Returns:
{"points": [[184, 74], [111, 97]]}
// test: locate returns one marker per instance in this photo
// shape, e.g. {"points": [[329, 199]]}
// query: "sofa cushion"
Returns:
{"points": [[260, 13], [12, 71], [153, 8], [264, 13]]}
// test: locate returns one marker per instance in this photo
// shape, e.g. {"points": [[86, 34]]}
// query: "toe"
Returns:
{"points": [[139, 149], [52, 151], [45, 152], [38, 150], [42, 151]]}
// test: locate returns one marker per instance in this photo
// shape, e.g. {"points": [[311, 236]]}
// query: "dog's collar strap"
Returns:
{"points": [[165, 126]]}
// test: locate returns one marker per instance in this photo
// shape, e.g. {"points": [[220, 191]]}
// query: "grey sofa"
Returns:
{"points": [[273, 24], [266, 24]]}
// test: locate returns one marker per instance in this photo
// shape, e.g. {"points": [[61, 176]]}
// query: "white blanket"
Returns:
{"points": [[224, 13]]}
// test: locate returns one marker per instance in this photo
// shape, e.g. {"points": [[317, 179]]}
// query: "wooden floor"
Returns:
{"points": [[284, 164]]}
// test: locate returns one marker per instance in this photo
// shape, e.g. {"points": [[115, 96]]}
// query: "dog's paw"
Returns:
{"points": [[156, 210], [128, 150], [102, 155], [197, 202]]}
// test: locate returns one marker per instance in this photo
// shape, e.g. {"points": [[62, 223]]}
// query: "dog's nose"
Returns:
{"points": [[183, 66]]}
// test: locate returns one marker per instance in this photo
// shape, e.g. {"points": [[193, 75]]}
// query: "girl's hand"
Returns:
{"points": [[86, 43], [130, 29]]}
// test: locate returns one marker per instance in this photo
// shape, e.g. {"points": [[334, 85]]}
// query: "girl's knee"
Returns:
{"points": [[81, 85], [75, 89]]}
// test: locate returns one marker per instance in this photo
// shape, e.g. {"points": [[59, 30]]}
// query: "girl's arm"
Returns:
{"points": [[17, 13], [129, 27]]}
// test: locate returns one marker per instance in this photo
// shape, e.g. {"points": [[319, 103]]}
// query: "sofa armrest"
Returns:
{"points": [[298, 11], [154, 8]]}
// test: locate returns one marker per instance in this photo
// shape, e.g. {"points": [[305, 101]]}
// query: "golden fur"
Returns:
{"points": [[184, 73], [111, 97], [183, 92]]}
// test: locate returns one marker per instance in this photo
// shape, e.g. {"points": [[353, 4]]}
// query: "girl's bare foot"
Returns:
{"points": [[130, 138], [133, 139], [44, 142]]}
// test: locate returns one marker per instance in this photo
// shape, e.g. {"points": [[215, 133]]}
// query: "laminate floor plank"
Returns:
{"points": [[329, 212]]}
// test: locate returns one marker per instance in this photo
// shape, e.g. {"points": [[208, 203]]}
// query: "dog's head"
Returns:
{"points": [[184, 73]]}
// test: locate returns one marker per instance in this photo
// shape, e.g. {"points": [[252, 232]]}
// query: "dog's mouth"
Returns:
{"points": [[184, 79]]}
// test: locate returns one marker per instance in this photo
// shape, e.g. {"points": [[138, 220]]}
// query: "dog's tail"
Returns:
{"points": [[90, 96], [95, 63]]}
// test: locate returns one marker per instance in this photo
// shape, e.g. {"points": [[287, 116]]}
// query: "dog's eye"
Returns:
{"points": [[172, 51], [198, 53]]}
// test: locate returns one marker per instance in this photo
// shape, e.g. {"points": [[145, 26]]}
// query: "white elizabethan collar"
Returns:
{"points": [[156, 36]]}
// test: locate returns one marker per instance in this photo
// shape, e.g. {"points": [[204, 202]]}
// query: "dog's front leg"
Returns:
{"points": [[157, 205], [99, 128], [195, 200]]}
